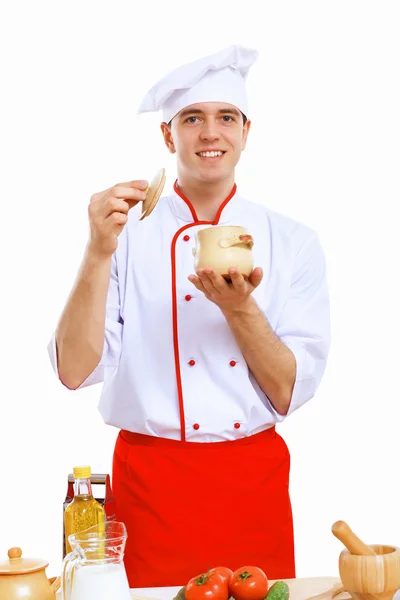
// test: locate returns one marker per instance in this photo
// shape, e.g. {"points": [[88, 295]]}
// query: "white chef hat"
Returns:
{"points": [[218, 77]]}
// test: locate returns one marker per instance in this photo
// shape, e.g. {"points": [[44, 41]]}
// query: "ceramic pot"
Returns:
{"points": [[25, 578], [222, 247]]}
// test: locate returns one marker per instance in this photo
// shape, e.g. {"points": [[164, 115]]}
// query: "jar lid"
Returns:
{"points": [[153, 193], [16, 565]]}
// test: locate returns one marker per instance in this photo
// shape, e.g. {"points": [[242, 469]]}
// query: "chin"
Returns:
{"points": [[210, 176]]}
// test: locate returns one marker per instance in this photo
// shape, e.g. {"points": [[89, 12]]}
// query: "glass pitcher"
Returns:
{"points": [[94, 570]]}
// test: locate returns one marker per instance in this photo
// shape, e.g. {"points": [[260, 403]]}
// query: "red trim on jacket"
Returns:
{"points": [[192, 209], [174, 296]]}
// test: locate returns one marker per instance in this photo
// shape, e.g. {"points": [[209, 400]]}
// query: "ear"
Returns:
{"points": [[167, 134], [246, 129]]}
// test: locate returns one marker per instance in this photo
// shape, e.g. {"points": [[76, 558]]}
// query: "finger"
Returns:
{"points": [[102, 210], [116, 220], [256, 276], [197, 283], [204, 276], [138, 184], [114, 224], [217, 281], [126, 193], [237, 279], [115, 205], [121, 191]]}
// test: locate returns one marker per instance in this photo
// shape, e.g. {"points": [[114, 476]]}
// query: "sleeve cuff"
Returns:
{"points": [[110, 357], [304, 385]]}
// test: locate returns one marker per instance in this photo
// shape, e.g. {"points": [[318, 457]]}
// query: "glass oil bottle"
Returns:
{"points": [[84, 511]]}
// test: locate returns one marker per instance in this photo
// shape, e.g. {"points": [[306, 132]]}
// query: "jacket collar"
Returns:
{"points": [[184, 210]]}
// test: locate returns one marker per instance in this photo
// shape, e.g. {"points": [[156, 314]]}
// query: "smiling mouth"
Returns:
{"points": [[211, 154]]}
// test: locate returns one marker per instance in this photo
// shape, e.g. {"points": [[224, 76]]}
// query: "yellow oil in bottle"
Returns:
{"points": [[84, 511]]}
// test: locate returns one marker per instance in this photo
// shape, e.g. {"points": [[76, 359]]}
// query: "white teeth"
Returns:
{"points": [[210, 154]]}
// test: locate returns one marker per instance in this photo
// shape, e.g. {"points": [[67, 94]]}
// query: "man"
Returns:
{"points": [[197, 371]]}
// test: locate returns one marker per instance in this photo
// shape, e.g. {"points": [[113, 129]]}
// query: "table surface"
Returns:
{"points": [[300, 589]]}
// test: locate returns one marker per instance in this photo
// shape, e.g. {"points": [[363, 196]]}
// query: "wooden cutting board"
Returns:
{"points": [[303, 588], [300, 589]]}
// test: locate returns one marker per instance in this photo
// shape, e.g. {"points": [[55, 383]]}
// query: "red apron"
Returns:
{"points": [[191, 506]]}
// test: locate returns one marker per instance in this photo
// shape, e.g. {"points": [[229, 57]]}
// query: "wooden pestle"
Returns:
{"points": [[354, 545]]}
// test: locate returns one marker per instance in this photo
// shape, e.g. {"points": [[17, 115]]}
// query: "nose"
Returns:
{"points": [[209, 131]]}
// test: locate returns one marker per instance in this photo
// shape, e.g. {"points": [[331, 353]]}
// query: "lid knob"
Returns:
{"points": [[15, 552]]}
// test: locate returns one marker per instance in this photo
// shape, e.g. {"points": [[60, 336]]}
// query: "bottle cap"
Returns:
{"points": [[82, 472]]}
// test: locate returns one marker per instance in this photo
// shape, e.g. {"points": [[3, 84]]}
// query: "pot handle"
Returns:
{"points": [[55, 583], [237, 239]]}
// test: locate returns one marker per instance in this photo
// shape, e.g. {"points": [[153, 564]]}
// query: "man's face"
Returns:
{"points": [[208, 139]]}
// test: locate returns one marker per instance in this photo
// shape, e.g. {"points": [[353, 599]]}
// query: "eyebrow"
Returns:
{"points": [[197, 111]]}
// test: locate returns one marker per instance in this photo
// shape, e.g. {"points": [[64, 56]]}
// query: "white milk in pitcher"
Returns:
{"points": [[100, 582]]}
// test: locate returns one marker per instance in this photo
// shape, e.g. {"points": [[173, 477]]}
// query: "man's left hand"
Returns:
{"points": [[230, 296]]}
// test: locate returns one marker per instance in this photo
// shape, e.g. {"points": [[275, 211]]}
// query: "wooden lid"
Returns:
{"points": [[16, 565], [153, 193]]}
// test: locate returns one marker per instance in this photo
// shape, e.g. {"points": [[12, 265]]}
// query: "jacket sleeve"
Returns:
{"points": [[112, 336], [304, 325]]}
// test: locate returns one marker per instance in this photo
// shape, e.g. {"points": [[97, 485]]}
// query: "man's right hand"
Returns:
{"points": [[108, 215]]}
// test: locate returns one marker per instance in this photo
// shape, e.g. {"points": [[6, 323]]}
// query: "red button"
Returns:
{"points": [[196, 426], [192, 362], [186, 238], [233, 363], [188, 297], [237, 425]]}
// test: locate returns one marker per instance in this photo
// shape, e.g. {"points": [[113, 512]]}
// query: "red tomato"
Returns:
{"points": [[225, 573], [207, 586], [248, 583]]}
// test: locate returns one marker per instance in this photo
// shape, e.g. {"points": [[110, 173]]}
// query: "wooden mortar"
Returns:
{"points": [[367, 572]]}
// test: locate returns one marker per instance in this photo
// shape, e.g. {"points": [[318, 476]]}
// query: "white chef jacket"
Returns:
{"points": [[167, 346]]}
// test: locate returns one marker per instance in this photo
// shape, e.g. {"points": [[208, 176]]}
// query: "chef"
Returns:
{"points": [[197, 370]]}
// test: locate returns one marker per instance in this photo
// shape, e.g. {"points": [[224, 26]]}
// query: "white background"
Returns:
{"points": [[324, 149]]}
